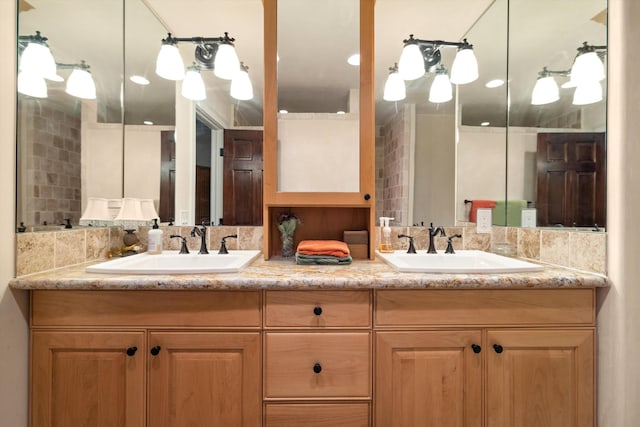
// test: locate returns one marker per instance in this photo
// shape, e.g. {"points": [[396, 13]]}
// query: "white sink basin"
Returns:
{"points": [[171, 262], [460, 262]]}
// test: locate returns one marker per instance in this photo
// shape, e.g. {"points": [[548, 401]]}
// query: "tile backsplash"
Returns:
{"points": [[47, 250]]}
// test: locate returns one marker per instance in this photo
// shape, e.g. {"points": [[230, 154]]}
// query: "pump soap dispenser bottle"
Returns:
{"points": [[385, 238], [154, 239]]}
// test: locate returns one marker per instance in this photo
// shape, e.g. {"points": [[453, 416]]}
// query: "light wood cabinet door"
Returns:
{"points": [[540, 378], [428, 378], [317, 415], [87, 379], [204, 378]]}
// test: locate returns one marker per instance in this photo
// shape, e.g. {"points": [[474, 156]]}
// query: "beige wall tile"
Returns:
{"points": [[250, 238], [475, 241], [554, 246], [70, 247], [97, 243], [529, 243], [34, 252], [588, 251]]}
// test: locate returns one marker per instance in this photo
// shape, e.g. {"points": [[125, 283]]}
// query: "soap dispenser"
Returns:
{"points": [[154, 239], [385, 238]]}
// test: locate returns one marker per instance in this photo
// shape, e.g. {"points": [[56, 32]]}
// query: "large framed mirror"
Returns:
{"points": [[118, 136]]}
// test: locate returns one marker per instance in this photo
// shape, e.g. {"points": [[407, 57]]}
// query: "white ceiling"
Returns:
{"points": [[94, 34]]}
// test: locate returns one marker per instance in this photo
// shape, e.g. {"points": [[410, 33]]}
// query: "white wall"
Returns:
{"points": [[619, 308], [14, 333]]}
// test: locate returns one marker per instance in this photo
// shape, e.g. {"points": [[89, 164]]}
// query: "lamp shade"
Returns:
{"points": [[193, 86], [226, 64], [169, 64], [545, 91], [80, 84], [241, 87], [149, 212], [32, 85], [394, 88], [441, 90], [465, 67], [96, 213], [587, 68], [411, 63], [37, 59], [587, 93]]}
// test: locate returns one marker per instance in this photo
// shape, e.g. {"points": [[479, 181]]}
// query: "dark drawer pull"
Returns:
{"points": [[317, 368], [476, 348], [155, 350], [317, 310], [498, 348], [131, 351]]}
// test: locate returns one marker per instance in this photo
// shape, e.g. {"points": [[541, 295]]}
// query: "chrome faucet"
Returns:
{"points": [[202, 232], [433, 232]]}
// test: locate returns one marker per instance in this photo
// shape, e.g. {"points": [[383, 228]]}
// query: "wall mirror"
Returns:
{"points": [[490, 152], [118, 155]]}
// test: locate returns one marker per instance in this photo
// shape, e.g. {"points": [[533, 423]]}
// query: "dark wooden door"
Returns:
{"points": [[203, 194], [571, 179], [242, 177], [167, 176]]}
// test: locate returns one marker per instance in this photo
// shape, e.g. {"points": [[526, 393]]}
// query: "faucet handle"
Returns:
{"points": [[223, 243], [183, 246], [412, 248], [449, 249]]}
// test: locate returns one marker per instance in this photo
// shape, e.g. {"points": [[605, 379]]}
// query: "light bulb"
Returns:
{"points": [[193, 86], [441, 90], [169, 64], [226, 64], [465, 67], [411, 63], [80, 84], [394, 88], [241, 87], [32, 85], [545, 91], [587, 93]]}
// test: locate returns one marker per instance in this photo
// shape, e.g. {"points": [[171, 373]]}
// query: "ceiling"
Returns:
{"points": [[322, 76]]}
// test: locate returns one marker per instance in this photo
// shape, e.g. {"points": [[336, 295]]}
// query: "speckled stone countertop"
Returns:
{"points": [[285, 274]]}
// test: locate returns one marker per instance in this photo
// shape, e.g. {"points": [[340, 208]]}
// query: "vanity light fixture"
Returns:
{"points": [[217, 53], [546, 89], [354, 59], [192, 85], [80, 83], [419, 56], [588, 66], [587, 93], [241, 87], [32, 85], [394, 88], [36, 58]]}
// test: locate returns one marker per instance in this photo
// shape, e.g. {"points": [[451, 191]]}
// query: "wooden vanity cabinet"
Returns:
{"points": [[149, 358], [530, 353], [317, 358]]}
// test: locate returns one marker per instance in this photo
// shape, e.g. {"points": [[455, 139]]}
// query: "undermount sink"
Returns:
{"points": [[460, 262], [171, 262]]}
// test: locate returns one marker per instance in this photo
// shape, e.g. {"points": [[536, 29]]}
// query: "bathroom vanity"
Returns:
{"points": [[281, 345]]}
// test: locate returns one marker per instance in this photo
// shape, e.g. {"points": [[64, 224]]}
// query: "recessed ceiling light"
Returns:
{"points": [[340, 112], [148, 122], [283, 111], [485, 123], [494, 83], [139, 80], [354, 59]]}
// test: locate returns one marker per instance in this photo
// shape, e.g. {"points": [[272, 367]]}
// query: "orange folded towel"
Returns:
{"points": [[323, 247], [475, 204]]}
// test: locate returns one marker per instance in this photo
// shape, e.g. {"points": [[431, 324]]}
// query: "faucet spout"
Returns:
{"points": [[433, 232], [202, 232]]}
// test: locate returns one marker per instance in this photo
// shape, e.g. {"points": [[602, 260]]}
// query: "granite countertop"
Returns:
{"points": [[286, 274]]}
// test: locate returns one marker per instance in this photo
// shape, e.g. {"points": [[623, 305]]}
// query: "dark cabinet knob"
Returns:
{"points": [[367, 196], [498, 348], [155, 350], [317, 310], [317, 368], [131, 351], [476, 348]]}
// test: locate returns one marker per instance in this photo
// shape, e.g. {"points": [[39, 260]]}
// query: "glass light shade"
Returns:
{"points": [[193, 86], [169, 64], [441, 90], [587, 93], [464, 68], [587, 68], [37, 59], [226, 64], [394, 88], [545, 91], [32, 85], [241, 87], [80, 84], [411, 63]]}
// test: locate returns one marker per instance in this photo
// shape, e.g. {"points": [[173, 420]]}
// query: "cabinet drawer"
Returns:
{"points": [[239, 309], [324, 309], [317, 415], [484, 307], [317, 364]]}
